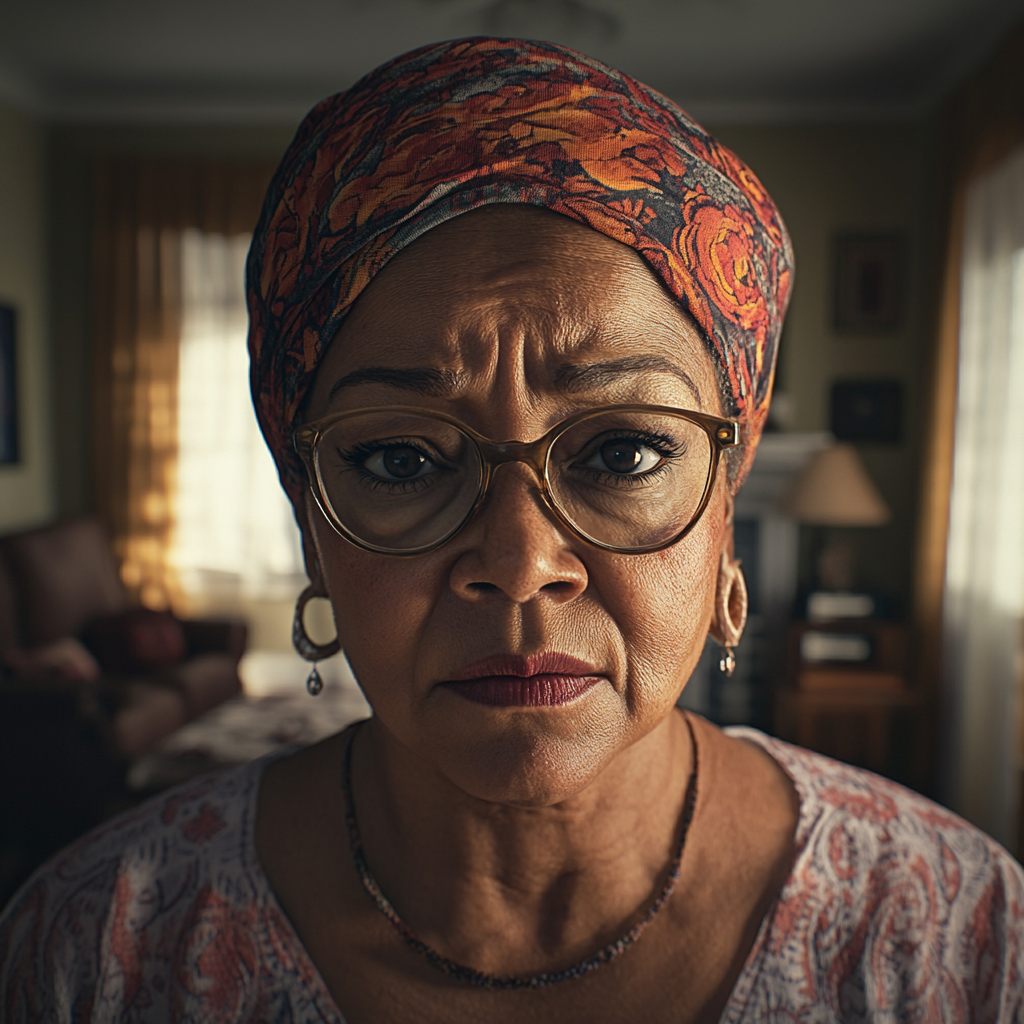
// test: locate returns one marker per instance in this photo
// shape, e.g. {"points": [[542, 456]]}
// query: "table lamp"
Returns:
{"points": [[834, 489]]}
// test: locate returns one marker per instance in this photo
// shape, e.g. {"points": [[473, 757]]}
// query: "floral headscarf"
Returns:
{"points": [[454, 126]]}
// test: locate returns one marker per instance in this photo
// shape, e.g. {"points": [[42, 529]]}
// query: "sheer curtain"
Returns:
{"points": [[234, 537], [145, 209], [984, 587]]}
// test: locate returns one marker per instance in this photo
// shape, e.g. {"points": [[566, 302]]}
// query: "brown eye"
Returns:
{"points": [[624, 457], [398, 463], [621, 456]]}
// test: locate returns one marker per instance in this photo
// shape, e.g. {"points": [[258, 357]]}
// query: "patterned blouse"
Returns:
{"points": [[895, 910]]}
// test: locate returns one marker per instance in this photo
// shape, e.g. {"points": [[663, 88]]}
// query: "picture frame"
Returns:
{"points": [[9, 453], [869, 283], [867, 411]]}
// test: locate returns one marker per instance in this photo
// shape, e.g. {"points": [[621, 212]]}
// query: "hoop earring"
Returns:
{"points": [[730, 599], [305, 648]]}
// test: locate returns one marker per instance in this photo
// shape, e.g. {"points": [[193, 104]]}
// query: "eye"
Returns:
{"points": [[624, 456], [401, 462]]}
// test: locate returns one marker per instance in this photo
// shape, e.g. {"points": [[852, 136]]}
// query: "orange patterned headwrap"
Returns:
{"points": [[454, 126]]}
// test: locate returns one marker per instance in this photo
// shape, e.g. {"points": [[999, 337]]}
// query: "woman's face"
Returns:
{"points": [[512, 318]]}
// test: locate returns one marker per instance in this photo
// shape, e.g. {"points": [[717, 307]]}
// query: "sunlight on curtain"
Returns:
{"points": [[235, 536], [984, 602]]}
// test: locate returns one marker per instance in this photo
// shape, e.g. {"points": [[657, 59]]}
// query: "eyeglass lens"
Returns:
{"points": [[402, 482]]}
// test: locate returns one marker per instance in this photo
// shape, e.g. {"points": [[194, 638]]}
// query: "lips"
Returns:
{"points": [[548, 679]]}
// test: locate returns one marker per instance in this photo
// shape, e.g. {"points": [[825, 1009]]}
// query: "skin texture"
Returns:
{"points": [[522, 839]]}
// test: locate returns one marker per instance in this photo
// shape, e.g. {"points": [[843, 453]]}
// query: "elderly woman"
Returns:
{"points": [[514, 320]]}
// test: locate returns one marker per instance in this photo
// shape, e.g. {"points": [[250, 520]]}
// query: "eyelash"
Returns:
{"points": [[356, 456], [664, 446]]}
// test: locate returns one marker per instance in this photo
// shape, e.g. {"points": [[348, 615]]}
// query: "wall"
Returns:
{"points": [[26, 489], [829, 180]]}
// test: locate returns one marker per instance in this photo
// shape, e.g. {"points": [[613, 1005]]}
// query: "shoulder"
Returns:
{"points": [[113, 918], [894, 905]]}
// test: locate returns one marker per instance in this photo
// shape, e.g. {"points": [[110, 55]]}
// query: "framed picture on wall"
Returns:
{"points": [[867, 411], [869, 283], [8, 389]]}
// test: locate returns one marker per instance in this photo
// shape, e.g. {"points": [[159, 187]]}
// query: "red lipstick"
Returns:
{"points": [[540, 680]]}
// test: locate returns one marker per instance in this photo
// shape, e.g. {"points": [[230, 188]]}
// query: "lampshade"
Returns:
{"points": [[834, 489]]}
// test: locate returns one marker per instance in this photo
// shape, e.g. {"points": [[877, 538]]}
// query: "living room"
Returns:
{"points": [[151, 565]]}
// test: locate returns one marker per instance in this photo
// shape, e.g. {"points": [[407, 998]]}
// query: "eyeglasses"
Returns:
{"points": [[402, 481]]}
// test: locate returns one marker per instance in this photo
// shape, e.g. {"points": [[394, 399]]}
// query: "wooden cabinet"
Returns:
{"points": [[862, 712]]}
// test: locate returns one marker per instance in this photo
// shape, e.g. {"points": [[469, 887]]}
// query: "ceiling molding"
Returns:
{"points": [[795, 112], [126, 64], [84, 110], [140, 104], [155, 110]]}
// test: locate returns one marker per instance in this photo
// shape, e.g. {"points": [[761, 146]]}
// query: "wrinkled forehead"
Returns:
{"points": [[516, 303]]}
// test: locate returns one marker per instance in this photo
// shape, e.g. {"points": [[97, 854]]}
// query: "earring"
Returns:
{"points": [[306, 648], [727, 662], [730, 611], [314, 684]]}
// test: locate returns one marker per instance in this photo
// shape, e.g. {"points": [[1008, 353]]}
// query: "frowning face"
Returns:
{"points": [[517, 660]]}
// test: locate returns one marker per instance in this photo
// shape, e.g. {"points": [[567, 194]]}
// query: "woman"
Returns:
{"points": [[514, 321]]}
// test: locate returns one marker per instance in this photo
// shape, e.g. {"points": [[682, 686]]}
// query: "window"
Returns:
{"points": [[235, 538], [984, 596]]}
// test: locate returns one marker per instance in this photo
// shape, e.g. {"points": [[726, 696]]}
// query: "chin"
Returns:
{"points": [[528, 758]]}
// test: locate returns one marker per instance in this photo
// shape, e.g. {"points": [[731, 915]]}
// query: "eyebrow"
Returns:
{"points": [[424, 380], [572, 377]]}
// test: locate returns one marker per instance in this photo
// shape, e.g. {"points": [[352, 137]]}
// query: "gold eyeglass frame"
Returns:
{"points": [[722, 433]]}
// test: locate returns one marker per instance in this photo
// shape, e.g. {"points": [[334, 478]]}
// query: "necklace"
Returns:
{"points": [[481, 979]]}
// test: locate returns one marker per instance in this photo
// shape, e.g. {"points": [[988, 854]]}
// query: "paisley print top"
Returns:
{"points": [[895, 910]]}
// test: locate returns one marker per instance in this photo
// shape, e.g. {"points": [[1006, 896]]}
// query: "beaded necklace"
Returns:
{"points": [[481, 979]]}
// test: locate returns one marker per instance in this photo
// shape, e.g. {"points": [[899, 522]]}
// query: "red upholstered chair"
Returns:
{"points": [[54, 582]]}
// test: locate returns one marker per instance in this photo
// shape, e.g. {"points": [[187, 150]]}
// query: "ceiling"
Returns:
{"points": [[269, 60]]}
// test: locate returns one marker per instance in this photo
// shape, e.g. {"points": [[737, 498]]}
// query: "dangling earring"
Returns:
{"points": [[305, 647], [730, 611], [314, 683], [727, 662]]}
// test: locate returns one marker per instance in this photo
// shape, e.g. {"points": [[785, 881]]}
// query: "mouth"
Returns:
{"points": [[541, 680]]}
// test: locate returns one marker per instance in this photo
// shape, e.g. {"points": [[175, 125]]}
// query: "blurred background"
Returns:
{"points": [[149, 563]]}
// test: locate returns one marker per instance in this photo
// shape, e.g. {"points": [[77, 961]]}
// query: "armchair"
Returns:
{"points": [[68, 729]]}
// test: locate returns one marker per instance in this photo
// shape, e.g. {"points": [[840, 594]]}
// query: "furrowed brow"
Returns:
{"points": [[574, 378], [424, 380]]}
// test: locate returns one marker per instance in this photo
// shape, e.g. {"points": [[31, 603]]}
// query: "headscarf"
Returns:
{"points": [[457, 125]]}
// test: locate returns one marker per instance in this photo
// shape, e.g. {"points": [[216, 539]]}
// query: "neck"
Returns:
{"points": [[512, 889]]}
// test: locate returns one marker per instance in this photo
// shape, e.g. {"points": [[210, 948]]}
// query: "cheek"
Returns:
{"points": [[381, 605], [664, 604]]}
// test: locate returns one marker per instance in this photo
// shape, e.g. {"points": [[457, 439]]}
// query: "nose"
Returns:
{"points": [[516, 547]]}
